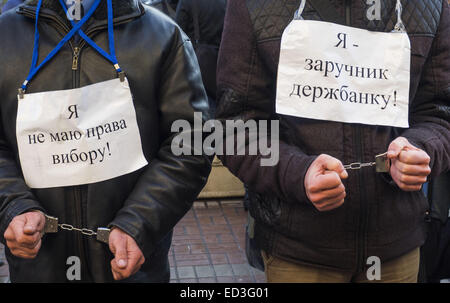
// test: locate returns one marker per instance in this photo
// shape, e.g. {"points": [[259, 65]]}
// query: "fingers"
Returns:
{"points": [[23, 235], [331, 203], [326, 181], [412, 170], [120, 252], [397, 146], [34, 223], [118, 246], [325, 163], [128, 257], [16, 226], [414, 157], [24, 252], [27, 241], [335, 165], [410, 165], [406, 181], [134, 264], [323, 183]]}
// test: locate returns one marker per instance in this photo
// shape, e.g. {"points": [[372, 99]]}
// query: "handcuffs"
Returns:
{"points": [[52, 226], [382, 164]]}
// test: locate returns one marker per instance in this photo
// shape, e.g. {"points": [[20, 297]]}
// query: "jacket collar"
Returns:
{"points": [[123, 10]]}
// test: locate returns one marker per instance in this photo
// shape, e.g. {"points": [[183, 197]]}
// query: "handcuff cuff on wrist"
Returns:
{"points": [[382, 164], [52, 226]]}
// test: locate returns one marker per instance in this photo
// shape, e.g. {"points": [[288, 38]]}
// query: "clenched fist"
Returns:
{"points": [[24, 233], [128, 257], [323, 183], [410, 166]]}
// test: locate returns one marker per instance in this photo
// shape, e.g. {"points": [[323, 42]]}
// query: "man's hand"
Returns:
{"points": [[323, 183], [410, 166], [128, 258], [24, 233]]}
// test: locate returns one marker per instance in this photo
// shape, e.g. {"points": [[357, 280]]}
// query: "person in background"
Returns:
{"points": [[202, 21], [168, 7], [435, 253]]}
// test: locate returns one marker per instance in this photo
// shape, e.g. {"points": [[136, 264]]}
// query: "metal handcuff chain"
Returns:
{"points": [[52, 225]]}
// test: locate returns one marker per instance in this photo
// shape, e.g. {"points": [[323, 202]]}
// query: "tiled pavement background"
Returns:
{"points": [[4, 272], [208, 246]]}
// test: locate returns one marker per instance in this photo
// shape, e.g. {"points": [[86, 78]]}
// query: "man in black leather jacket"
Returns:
{"points": [[142, 207]]}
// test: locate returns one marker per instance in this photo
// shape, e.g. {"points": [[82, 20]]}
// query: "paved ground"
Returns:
{"points": [[4, 272], [208, 246]]}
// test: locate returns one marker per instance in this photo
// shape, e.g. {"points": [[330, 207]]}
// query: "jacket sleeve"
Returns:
{"points": [[430, 110], [169, 184], [15, 196], [246, 91]]}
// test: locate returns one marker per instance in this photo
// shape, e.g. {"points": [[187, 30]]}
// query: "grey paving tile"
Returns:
{"points": [[223, 270], [241, 269], [186, 272], [204, 271], [188, 281], [225, 280], [245, 279], [173, 273]]}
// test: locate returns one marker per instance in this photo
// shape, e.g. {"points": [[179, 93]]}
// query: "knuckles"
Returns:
{"points": [[314, 188], [29, 254]]}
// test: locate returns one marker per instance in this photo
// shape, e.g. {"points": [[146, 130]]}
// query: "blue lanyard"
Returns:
{"points": [[76, 28]]}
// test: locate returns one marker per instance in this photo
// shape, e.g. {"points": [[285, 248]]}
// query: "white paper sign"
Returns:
{"points": [[78, 136], [339, 73]]}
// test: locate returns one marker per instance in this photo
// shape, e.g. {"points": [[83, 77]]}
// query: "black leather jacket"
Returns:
{"points": [[166, 85]]}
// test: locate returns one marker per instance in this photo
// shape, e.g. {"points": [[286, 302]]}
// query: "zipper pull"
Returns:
{"points": [[76, 52]]}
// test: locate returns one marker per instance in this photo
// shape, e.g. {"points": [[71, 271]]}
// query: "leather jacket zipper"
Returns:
{"points": [[358, 144], [362, 230], [76, 53], [78, 200], [75, 63], [348, 12]]}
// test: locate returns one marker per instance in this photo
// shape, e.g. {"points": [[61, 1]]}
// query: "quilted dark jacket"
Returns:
{"points": [[377, 218], [165, 81]]}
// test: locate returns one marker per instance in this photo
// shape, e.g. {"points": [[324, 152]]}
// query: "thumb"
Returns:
{"points": [[119, 248], [333, 164], [33, 223], [397, 146]]}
